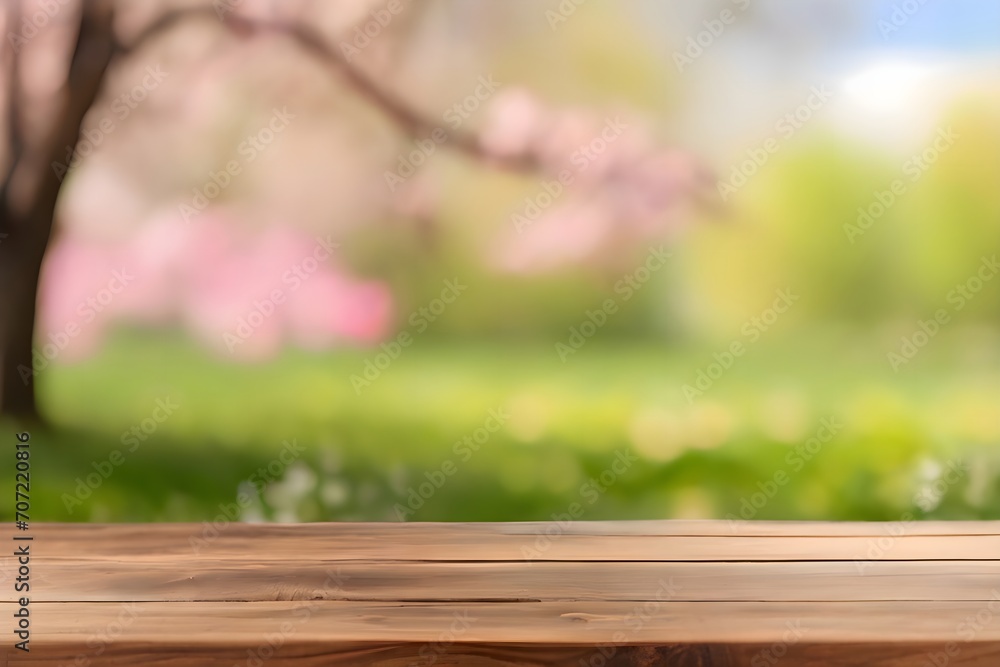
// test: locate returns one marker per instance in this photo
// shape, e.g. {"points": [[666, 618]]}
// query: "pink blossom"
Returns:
{"points": [[239, 291], [620, 188]]}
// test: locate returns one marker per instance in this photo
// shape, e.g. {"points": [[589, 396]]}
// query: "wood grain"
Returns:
{"points": [[584, 593], [645, 541], [251, 580]]}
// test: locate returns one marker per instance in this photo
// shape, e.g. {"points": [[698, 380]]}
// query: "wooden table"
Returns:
{"points": [[574, 594]]}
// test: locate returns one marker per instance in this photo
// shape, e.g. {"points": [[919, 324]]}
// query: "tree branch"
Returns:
{"points": [[88, 64], [15, 130], [35, 186], [315, 44]]}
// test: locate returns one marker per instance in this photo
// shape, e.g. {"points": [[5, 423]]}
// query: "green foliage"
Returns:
{"points": [[567, 424]]}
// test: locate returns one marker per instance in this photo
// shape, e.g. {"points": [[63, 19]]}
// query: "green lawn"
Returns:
{"points": [[818, 429]]}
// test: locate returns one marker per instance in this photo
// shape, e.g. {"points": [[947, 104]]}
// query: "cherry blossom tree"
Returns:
{"points": [[622, 186]]}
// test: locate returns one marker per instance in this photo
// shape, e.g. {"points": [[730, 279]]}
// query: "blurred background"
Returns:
{"points": [[614, 260]]}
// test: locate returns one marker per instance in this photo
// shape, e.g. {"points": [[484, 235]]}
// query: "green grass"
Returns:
{"points": [[567, 423]]}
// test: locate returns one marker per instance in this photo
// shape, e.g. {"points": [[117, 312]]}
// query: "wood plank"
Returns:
{"points": [[531, 655], [582, 623], [215, 579], [579, 593], [695, 528], [494, 542], [395, 655]]}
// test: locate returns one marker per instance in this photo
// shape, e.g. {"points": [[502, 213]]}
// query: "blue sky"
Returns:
{"points": [[960, 26]]}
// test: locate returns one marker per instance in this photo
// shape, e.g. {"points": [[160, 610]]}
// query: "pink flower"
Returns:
{"points": [[614, 188], [329, 307], [242, 292]]}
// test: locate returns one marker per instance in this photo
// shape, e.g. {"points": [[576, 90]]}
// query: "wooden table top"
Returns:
{"points": [[575, 593]]}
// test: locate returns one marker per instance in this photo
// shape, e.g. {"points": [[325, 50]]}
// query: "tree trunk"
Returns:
{"points": [[28, 207], [19, 269]]}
